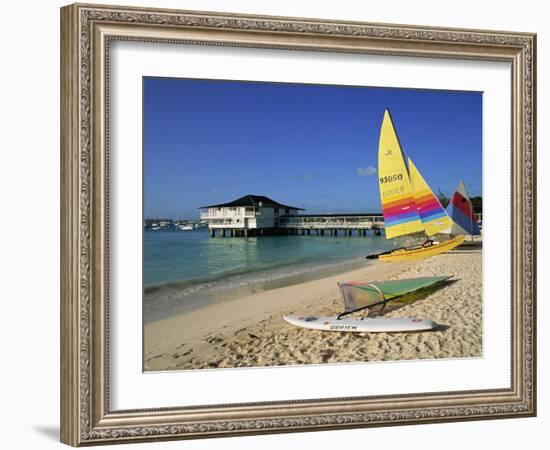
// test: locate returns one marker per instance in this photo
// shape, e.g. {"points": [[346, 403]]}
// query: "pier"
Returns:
{"points": [[256, 215], [332, 224], [356, 225]]}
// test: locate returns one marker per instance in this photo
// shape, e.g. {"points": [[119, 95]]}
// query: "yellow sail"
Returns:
{"points": [[432, 214], [396, 193]]}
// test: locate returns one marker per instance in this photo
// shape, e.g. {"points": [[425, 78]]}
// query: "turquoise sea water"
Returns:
{"points": [[184, 269]]}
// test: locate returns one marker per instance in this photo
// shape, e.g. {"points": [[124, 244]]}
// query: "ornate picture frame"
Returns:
{"points": [[87, 32]]}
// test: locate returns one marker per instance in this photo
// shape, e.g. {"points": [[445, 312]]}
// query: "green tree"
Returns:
{"points": [[442, 197], [477, 204]]}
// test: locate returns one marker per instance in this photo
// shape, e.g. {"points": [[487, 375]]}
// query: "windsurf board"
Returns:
{"points": [[361, 324]]}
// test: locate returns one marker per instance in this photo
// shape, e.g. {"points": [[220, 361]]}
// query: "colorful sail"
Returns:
{"points": [[432, 214], [396, 193], [461, 211]]}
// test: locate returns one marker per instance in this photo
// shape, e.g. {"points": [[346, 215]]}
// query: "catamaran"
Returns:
{"points": [[409, 205], [360, 296], [461, 211]]}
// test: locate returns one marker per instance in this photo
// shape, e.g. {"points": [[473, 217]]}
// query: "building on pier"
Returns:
{"points": [[256, 215], [250, 214]]}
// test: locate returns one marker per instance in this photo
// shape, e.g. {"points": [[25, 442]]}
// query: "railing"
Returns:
{"points": [[227, 214], [362, 223], [238, 219]]}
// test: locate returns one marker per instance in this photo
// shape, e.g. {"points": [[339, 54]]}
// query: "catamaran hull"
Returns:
{"points": [[422, 252], [361, 325]]}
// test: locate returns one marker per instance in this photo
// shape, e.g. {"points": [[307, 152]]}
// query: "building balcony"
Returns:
{"points": [[206, 215]]}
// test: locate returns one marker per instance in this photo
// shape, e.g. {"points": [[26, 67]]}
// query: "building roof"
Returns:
{"points": [[252, 201]]}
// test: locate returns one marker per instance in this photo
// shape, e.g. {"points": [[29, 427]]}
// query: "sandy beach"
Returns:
{"points": [[250, 331]]}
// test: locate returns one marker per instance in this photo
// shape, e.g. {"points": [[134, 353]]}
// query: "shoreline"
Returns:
{"points": [[170, 299], [250, 331]]}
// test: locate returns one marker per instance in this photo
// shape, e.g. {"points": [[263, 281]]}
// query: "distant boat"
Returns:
{"points": [[155, 228], [185, 227], [460, 209], [409, 205]]}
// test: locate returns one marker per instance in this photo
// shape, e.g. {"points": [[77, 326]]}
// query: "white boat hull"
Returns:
{"points": [[361, 325]]}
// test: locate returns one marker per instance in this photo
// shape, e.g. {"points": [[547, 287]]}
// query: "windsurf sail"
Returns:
{"points": [[357, 296], [461, 211], [433, 216], [396, 192]]}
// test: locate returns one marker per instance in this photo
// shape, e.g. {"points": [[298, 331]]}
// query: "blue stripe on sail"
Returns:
{"points": [[463, 220], [403, 215], [390, 223], [433, 215], [427, 211]]}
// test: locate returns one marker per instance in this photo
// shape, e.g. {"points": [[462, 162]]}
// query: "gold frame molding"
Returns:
{"points": [[86, 31]]}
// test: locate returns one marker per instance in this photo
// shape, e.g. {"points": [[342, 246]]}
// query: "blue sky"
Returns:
{"points": [[312, 146]]}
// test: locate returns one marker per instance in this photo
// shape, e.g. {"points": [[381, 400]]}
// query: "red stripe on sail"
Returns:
{"points": [[402, 208], [461, 203], [398, 203], [429, 203]]}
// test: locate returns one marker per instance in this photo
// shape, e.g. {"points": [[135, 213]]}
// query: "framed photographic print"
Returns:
{"points": [[275, 224]]}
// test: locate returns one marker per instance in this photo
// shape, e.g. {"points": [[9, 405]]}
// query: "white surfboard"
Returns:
{"points": [[361, 324]]}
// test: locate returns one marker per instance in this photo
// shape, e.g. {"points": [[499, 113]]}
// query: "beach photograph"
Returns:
{"points": [[293, 224]]}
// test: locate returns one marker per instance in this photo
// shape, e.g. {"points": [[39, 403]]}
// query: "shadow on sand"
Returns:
{"points": [[468, 246], [394, 305]]}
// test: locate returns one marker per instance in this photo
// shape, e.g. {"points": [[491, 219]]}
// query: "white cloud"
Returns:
{"points": [[365, 171]]}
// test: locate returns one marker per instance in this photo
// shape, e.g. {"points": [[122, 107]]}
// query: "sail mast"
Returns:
{"points": [[396, 193]]}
